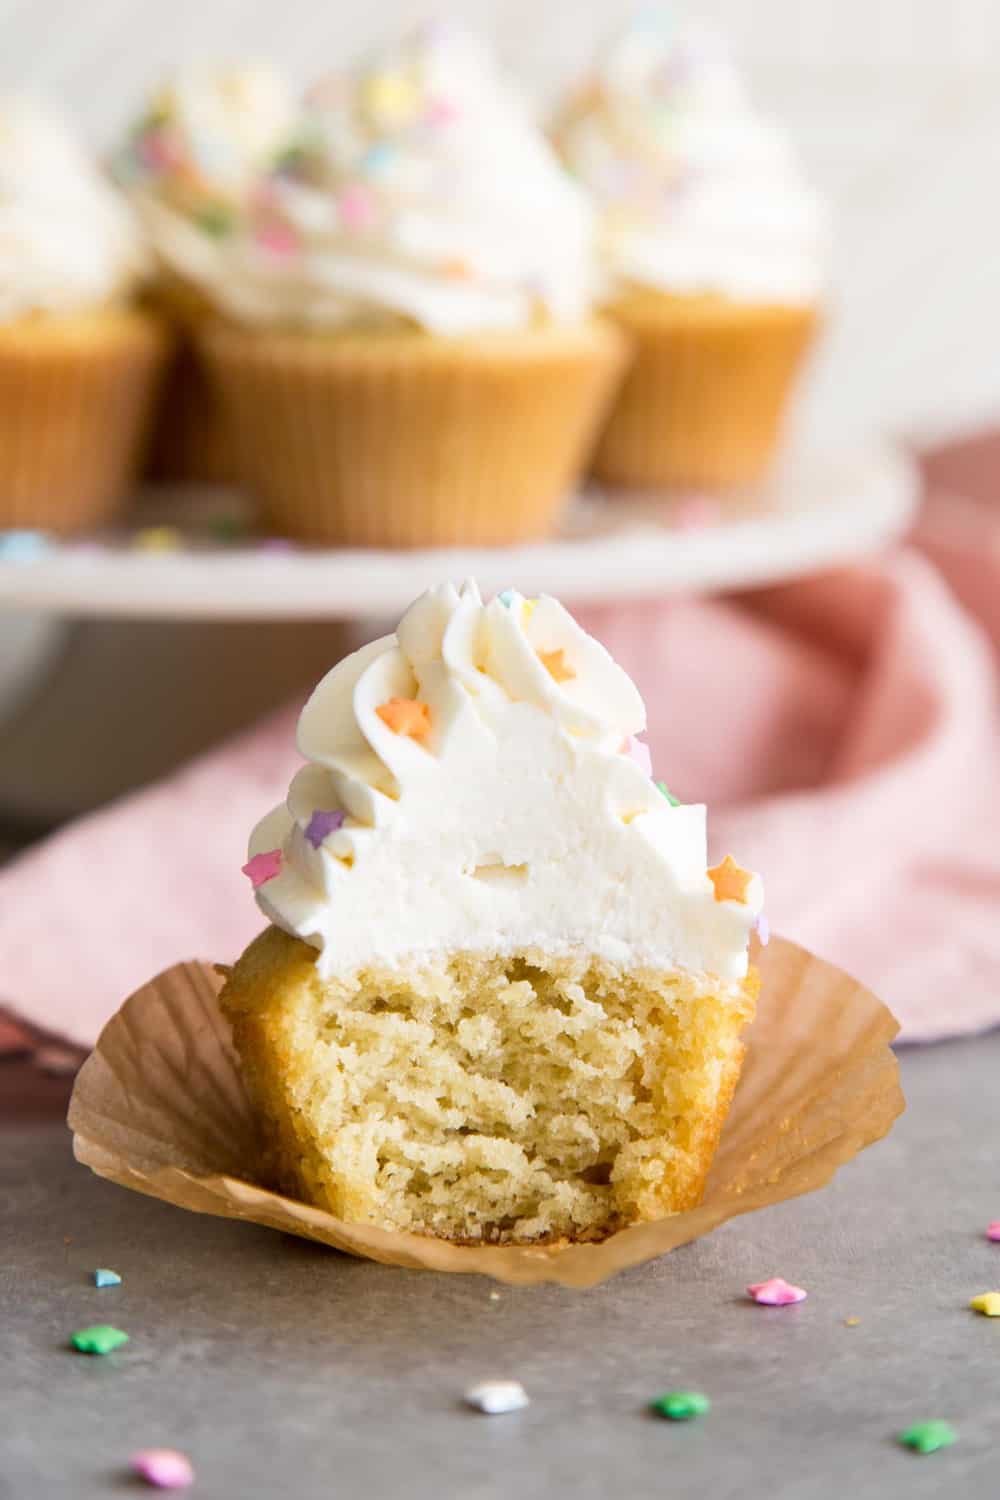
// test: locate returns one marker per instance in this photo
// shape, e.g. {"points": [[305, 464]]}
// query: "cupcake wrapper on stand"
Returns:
{"points": [[76, 400], [405, 440], [702, 404], [160, 1107]]}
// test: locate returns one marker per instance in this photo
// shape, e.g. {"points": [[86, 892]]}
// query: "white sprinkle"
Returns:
{"points": [[495, 1296], [494, 1397]]}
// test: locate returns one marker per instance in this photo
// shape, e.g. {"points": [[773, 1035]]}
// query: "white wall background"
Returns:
{"points": [[895, 105]]}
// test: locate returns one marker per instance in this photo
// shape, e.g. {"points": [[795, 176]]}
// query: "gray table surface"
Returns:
{"points": [[284, 1369]]}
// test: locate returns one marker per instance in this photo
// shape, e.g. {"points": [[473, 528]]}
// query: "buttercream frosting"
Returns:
{"points": [[475, 782], [697, 192], [68, 242]]}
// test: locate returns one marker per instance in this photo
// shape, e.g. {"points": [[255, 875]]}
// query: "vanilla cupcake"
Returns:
{"points": [[78, 361], [405, 341], [712, 248], [502, 995], [192, 164]]}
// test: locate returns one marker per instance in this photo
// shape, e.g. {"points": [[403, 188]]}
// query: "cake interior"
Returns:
{"points": [[487, 1098]]}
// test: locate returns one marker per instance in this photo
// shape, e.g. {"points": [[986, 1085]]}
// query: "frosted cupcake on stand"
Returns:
{"points": [[405, 338], [192, 164], [78, 359], [712, 248]]}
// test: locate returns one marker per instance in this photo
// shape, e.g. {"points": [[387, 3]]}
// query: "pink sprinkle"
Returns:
{"points": [[763, 930], [442, 112], [164, 1468], [695, 512], [159, 150], [638, 751], [322, 824], [263, 867], [277, 239], [776, 1292], [993, 1230], [357, 207]]}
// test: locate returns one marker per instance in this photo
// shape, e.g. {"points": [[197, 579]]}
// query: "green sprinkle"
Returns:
{"points": [[661, 786], [681, 1406], [100, 1339], [928, 1437], [215, 220], [226, 528]]}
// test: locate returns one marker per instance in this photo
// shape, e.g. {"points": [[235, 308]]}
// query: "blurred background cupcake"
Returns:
{"points": [[191, 165], [712, 249], [78, 361], [406, 345]]}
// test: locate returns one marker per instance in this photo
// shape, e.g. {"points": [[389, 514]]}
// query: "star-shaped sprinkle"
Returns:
{"points": [[987, 1303], [104, 1277], [638, 751], [101, 1338], [993, 1230], [262, 868], [496, 1397], [506, 598], [681, 1406], [163, 1468], [406, 716], [556, 665], [776, 1292], [322, 824], [730, 880], [661, 787], [928, 1437]]}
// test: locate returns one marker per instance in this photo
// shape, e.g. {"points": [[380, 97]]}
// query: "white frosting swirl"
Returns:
{"points": [[524, 818], [68, 242], [697, 193]]}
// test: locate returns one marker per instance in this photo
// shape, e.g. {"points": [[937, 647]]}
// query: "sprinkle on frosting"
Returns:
{"points": [[993, 1230], [763, 930], [100, 1338], [928, 1437], [730, 880], [163, 1468], [104, 1277], [406, 716], [776, 1292], [497, 1397], [664, 791], [987, 1303], [263, 867], [506, 598], [556, 665], [638, 751], [681, 1406], [322, 824]]}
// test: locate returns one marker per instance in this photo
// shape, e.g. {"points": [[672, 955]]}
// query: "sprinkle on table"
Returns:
{"points": [[993, 1230], [100, 1338], [22, 546], [164, 1468], [104, 1277], [263, 867], [556, 665], [730, 880], [661, 787], [322, 824], [928, 1437], [987, 1303], [851, 1322], [406, 716], [776, 1292], [496, 1397], [157, 539], [681, 1406]]}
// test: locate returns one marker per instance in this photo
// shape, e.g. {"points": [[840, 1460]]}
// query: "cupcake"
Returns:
{"points": [[501, 997], [712, 253], [78, 361], [191, 164], [405, 343]]}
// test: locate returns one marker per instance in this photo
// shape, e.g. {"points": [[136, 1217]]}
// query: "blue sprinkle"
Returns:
{"points": [[378, 157], [22, 546], [104, 1277], [507, 598]]}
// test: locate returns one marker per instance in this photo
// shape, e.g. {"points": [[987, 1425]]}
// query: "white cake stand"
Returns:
{"points": [[816, 512]]}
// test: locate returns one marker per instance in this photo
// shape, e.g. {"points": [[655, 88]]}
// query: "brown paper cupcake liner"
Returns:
{"points": [[76, 400], [160, 1107], [404, 440], [703, 401]]}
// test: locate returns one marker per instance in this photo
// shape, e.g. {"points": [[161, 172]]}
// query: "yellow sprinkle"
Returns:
{"points": [[529, 606], [987, 1303], [390, 96], [851, 1322], [157, 539], [556, 665]]}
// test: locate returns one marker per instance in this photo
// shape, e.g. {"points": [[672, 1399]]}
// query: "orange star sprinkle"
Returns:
{"points": [[730, 880], [554, 663], [406, 716]]}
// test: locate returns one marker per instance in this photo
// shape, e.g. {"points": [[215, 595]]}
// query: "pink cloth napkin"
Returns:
{"points": [[842, 729]]}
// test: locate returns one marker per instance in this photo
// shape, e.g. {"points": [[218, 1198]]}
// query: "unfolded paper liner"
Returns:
{"points": [[159, 1106], [704, 398], [403, 439]]}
